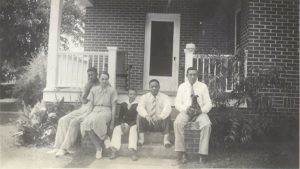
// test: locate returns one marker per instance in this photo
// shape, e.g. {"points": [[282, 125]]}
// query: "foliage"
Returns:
{"points": [[24, 29], [38, 125], [29, 87], [233, 125]]}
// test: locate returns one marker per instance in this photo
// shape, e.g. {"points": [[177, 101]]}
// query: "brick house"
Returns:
{"points": [[137, 40]]}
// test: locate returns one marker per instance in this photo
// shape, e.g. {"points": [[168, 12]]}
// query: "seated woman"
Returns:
{"points": [[68, 126], [127, 117], [103, 103]]}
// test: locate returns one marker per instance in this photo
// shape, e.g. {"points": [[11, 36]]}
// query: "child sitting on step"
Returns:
{"points": [[127, 117]]}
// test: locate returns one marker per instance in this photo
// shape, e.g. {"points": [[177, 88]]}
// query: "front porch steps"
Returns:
{"points": [[153, 147]]}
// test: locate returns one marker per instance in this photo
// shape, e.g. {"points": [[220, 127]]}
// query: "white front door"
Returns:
{"points": [[162, 50]]}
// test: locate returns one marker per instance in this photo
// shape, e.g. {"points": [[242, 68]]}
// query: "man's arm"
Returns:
{"points": [[86, 92], [122, 113], [167, 108], [179, 100], [206, 100], [141, 109]]}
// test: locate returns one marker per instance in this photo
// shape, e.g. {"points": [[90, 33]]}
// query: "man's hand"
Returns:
{"points": [[125, 128], [149, 118], [190, 111], [156, 118]]}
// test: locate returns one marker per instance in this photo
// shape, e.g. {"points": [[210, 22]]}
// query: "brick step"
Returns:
{"points": [[9, 105]]}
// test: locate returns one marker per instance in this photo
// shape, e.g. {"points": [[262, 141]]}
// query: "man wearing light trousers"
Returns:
{"points": [[183, 103]]}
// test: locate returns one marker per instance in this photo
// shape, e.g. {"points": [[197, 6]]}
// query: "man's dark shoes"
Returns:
{"points": [[184, 159], [113, 154], [167, 145], [134, 156], [181, 159]]}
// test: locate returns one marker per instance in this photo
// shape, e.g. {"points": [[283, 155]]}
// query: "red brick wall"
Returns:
{"points": [[121, 23], [273, 41]]}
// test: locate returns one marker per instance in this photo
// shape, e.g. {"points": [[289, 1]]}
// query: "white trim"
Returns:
{"points": [[175, 18]]}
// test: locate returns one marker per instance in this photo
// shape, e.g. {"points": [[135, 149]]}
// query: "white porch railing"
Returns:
{"points": [[72, 66], [217, 68]]}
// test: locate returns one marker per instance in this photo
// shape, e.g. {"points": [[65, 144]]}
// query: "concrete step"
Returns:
{"points": [[154, 150], [153, 146], [9, 105], [152, 137]]}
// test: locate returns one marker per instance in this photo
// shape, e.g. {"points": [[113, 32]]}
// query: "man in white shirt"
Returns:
{"points": [[154, 110], [183, 103]]}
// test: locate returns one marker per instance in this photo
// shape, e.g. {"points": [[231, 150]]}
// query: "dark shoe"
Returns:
{"points": [[134, 157], [200, 161], [113, 155], [167, 145], [184, 159], [140, 144]]}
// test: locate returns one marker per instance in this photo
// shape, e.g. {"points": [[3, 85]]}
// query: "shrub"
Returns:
{"points": [[29, 87], [38, 125]]}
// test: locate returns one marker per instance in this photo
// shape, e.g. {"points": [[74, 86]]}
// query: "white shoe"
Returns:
{"points": [[61, 152], [99, 154], [53, 151]]}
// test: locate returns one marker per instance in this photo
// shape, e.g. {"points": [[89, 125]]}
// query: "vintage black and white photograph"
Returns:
{"points": [[149, 84]]}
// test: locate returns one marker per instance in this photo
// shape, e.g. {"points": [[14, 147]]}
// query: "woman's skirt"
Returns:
{"points": [[97, 121]]}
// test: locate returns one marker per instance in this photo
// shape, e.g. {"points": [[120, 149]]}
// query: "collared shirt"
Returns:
{"points": [[163, 106], [129, 104], [128, 112], [183, 98]]}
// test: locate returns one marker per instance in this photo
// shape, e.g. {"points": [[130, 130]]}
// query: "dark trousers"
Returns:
{"points": [[160, 126]]}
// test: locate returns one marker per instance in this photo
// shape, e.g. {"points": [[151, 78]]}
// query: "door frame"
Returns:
{"points": [[175, 18]]}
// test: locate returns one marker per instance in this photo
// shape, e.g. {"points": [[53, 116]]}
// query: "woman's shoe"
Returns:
{"points": [[61, 152], [53, 151], [99, 154]]}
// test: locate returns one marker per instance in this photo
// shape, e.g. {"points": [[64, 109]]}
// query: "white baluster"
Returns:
{"points": [[203, 70], [77, 70]]}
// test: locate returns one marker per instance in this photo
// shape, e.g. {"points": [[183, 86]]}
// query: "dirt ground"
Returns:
{"points": [[271, 155]]}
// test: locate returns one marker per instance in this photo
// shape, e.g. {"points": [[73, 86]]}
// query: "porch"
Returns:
{"points": [[131, 66], [72, 66]]}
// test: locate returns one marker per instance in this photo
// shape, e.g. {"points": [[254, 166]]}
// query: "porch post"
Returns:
{"points": [[112, 65], [54, 38], [189, 55]]}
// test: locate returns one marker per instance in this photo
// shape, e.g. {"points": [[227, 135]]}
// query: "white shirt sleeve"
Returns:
{"points": [[179, 102], [141, 109], [167, 107]]}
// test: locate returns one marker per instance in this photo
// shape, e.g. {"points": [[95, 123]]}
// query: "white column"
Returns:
{"points": [[53, 44], [189, 55], [112, 65]]}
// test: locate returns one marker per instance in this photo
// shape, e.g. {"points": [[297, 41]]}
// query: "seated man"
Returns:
{"points": [[127, 118], [68, 126], [154, 113], [183, 103]]}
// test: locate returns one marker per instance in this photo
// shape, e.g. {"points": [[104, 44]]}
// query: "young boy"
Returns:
{"points": [[127, 118]]}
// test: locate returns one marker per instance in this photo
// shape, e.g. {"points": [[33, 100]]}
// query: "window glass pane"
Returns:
{"points": [[161, 50]]}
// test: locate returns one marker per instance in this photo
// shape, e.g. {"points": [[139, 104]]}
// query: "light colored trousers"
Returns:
{"points": [[205, 126], [68, 129], [117, 136]]}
